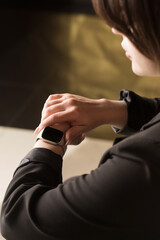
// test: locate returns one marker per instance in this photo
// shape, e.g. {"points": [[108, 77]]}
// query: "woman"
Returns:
{"points": [[120, 199]]}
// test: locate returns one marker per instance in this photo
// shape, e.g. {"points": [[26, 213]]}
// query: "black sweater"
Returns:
{"points": [[120, 199]]}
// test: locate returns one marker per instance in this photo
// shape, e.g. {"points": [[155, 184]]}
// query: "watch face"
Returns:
{"points": [[52, 134]]}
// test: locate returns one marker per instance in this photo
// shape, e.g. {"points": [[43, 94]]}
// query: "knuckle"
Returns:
{"points": [[52, 117], [50, 97], [47, 111], [71, 101], [67, 95], [47, 101], [75, 109], [54, 96]]}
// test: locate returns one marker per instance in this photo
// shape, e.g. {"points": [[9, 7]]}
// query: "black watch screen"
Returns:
{"points": [[52, 134]]}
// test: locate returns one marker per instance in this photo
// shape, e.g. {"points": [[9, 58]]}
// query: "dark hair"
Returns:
{"points": [[138, 20]]}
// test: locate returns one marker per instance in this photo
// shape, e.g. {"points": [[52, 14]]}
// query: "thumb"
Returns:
{"points": [[75, 135]]}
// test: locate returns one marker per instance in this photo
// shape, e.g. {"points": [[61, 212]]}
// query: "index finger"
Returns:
{"points": [[59, 117]]}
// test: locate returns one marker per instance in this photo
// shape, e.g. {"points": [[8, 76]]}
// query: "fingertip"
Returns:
{"points": [[83, 136], [67, 143], [67, 140], [36, 130]]}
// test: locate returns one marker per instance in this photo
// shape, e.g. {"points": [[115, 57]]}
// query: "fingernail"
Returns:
{"points": [[67, 143], [36, 130]]}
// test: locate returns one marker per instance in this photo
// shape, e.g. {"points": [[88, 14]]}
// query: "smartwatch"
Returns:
{"points": [[52, 136]]}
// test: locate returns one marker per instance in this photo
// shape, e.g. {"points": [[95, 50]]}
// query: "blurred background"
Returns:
{"points": [[59, 46], [51, 47]]}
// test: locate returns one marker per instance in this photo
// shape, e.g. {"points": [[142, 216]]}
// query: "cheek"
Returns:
{"points": [[141, 65]]}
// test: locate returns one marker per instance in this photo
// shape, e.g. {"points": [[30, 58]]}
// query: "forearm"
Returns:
{"points": [[39, 171], [43, 206]]}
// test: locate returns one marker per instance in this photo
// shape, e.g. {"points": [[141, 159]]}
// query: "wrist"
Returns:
{"points": [[58, 149], [52, 139], [114, 113]]}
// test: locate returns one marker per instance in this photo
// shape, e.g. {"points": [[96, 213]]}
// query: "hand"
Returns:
{"points": [[82, 114]]}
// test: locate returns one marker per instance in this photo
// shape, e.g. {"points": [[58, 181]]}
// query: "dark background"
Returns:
{"points": [[78, 6], [59, 46], [31, 66]]}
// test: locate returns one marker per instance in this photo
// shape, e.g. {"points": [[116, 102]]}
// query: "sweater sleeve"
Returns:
{"points": [[140, 111], [38, 206]]}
